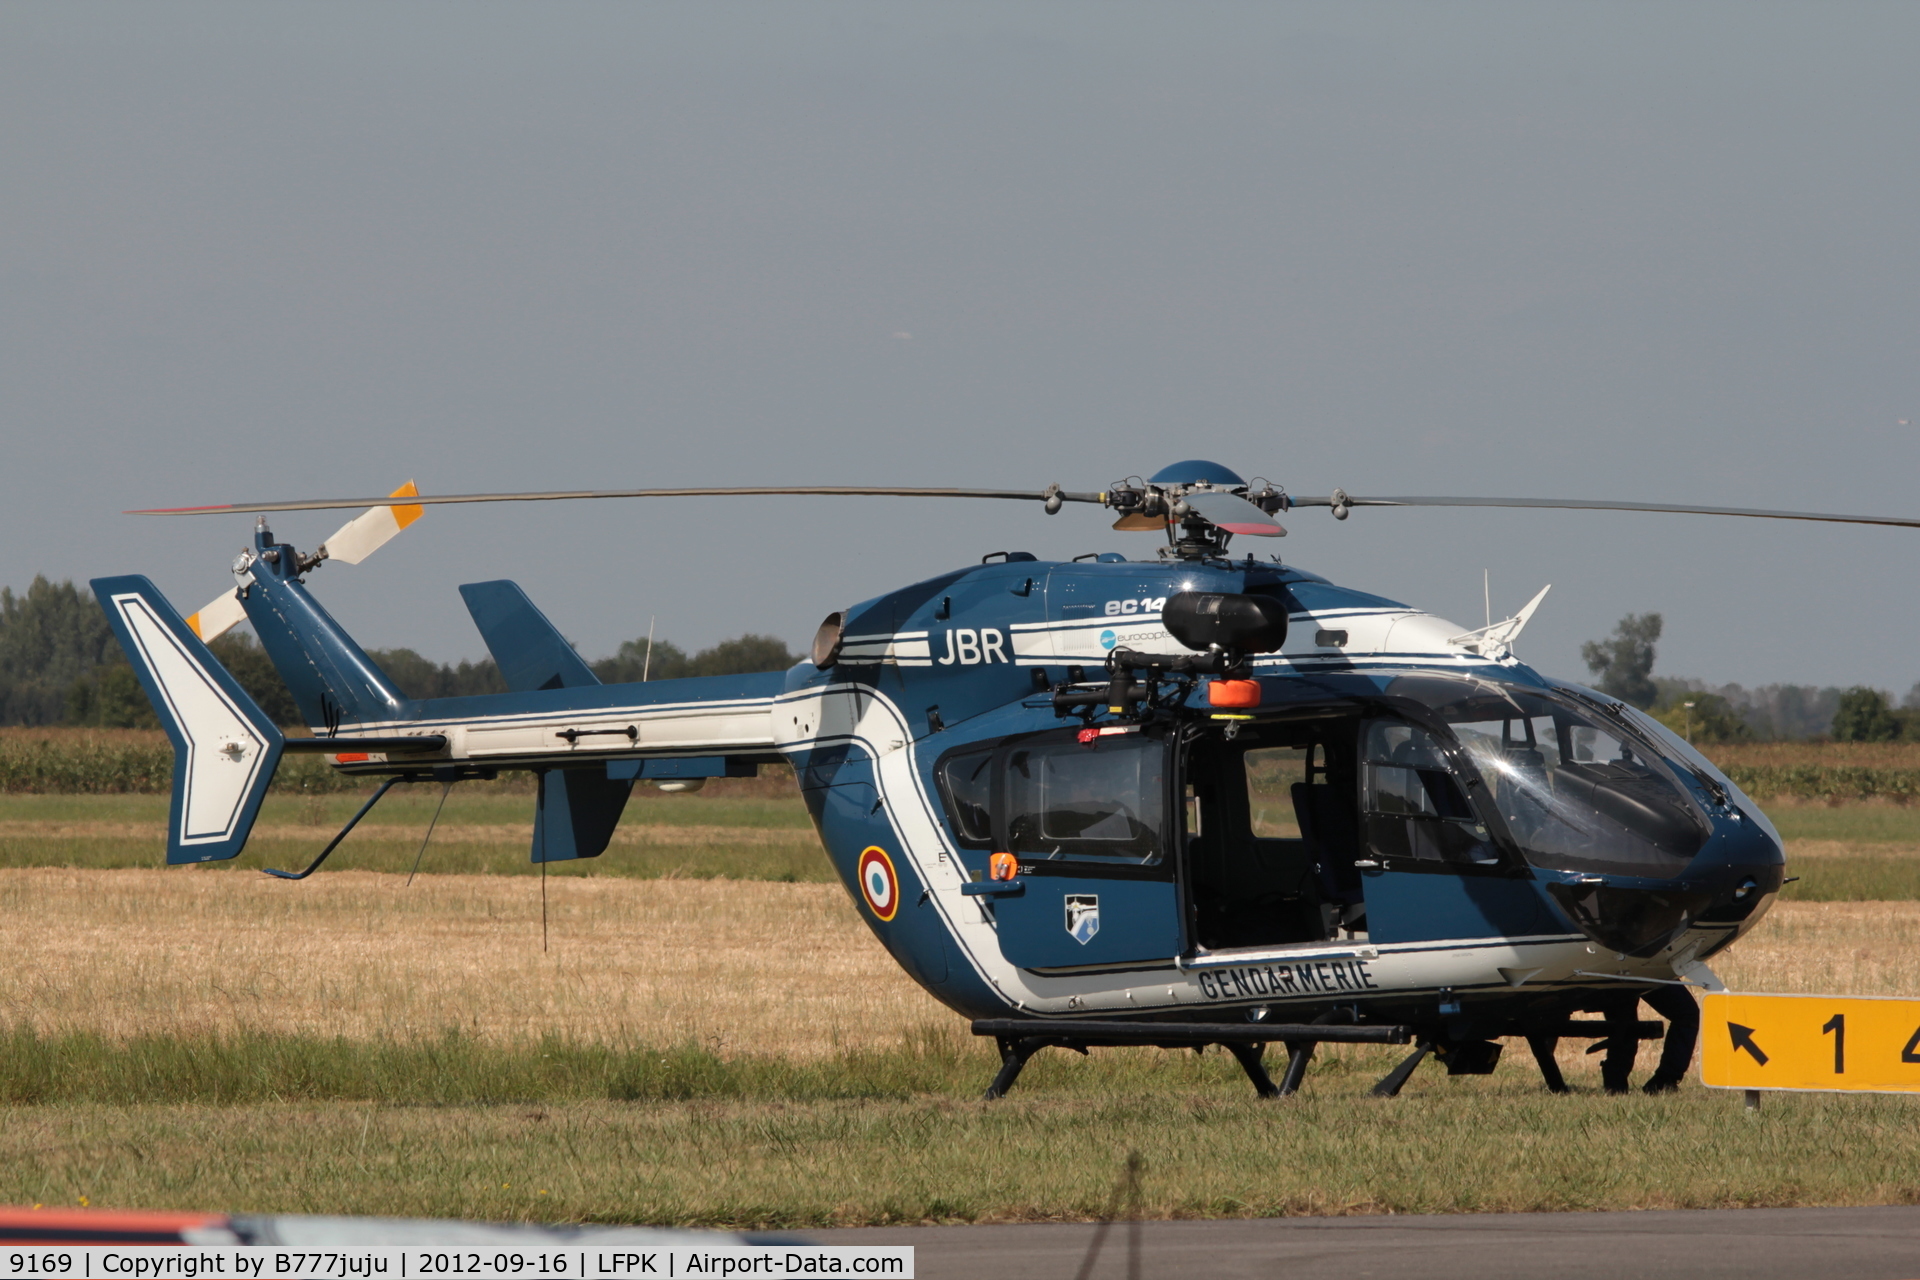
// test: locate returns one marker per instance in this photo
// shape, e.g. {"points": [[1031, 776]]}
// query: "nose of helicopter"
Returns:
{"points": [[1727, 886]]}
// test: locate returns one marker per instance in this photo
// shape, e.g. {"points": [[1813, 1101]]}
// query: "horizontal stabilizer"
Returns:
{"points": [[530, 651], [224, 748]]}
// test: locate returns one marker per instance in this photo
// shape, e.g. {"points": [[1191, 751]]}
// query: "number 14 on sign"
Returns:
{"points": [[1810, 1042]]}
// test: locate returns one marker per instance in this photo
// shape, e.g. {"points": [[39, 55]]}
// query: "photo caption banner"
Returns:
{"points": [[266, 1262]]}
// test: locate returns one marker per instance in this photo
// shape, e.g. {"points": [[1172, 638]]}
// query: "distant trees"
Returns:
{"points": [[420, 677], [629, 663], [1710, 718], [740, 656], [1624, 661], [50, 636], [1864, 716], [59, 664]]}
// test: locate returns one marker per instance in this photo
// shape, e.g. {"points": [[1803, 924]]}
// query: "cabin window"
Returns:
{"points": [[1272, 774], [967, 781], [1104, 801]]}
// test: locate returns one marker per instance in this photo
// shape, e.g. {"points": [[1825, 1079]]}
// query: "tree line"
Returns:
{"points": [[1623, 665], [60, 664]]}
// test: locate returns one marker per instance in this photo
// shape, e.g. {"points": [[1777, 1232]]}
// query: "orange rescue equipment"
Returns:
{"points": [[1233, 693]]}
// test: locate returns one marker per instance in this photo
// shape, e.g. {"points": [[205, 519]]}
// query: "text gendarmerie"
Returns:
{"points": [[1309, 977]]}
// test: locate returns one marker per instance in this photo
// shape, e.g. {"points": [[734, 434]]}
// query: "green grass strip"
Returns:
{"points": [[456, 1069], [1826, 782]]}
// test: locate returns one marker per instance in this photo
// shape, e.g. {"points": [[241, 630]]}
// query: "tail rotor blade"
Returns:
{"points": [[353, 542], [366, 533], [218, 617]]}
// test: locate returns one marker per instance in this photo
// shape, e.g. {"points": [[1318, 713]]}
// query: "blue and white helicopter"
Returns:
{"points": [[1190, 800]]}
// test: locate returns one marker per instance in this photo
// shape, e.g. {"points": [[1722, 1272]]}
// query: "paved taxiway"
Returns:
{"points": [[1747, 1244]]}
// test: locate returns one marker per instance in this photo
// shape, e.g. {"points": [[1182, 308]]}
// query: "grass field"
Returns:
{"points": [[711, 1036], [1790, 755], [1210, 1151], [733, 966], [714, 833], [744, 1054], [753, 831]]}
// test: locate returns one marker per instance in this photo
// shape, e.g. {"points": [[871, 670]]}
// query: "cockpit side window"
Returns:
{"points": [[967, 781], [1414, 805]]}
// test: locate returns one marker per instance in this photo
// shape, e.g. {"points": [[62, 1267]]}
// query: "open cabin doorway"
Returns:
{"points": [[1272, 831]]}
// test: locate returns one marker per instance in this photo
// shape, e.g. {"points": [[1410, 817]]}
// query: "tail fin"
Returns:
{"points": [[224, 748], [530, 651]]}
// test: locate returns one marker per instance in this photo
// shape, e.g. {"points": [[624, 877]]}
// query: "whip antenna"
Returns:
{"points": [[541, 829], [445, 787]]}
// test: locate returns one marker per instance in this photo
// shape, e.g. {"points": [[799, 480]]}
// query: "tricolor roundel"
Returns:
{"points": [[878, 883]]}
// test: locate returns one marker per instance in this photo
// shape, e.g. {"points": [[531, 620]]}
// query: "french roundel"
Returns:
{"points": [[878, 883]]}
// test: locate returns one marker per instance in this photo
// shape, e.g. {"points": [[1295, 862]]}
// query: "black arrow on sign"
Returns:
{"points": [[1743, 1039]]}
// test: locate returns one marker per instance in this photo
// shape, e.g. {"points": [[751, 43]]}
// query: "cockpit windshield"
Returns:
{"points": [[1576, 791], [1680, 749]]}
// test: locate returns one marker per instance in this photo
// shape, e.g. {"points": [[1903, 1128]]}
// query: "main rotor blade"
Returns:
{"points": [[1572, 504], [1234, 514], [563, 495]]}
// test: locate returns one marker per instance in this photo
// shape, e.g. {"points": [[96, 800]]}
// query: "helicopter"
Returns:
{"points": [[1198, 799]]}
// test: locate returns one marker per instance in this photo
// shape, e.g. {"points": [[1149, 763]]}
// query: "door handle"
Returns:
{"points": [[993, 888]]}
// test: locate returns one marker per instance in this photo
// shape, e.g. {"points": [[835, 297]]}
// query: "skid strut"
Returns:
{"points": [[1020, 1038]]}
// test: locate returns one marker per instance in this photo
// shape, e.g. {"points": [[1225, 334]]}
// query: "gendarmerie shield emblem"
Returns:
{"points": [[1083, 916]]}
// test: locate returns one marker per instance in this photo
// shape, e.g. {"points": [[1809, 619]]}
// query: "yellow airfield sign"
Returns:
{"points": [[1810, 1042]]}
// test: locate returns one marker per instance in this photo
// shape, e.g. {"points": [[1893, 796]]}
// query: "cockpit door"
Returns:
{"points": [[1437, 871], [1086, 816]]}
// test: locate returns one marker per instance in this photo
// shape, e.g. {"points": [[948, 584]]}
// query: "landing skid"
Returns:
{"points": [[1020, 1038]]}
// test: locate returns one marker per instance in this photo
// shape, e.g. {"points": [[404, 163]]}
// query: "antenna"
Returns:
{"points": [[541, 827], [1486, 588], [646, 664], [445, 787]]}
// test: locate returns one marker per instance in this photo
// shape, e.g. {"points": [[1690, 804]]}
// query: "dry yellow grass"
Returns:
{"points": [[520, 834], [1834, 948], [788, 970], [1863, 755], [741, 966]]}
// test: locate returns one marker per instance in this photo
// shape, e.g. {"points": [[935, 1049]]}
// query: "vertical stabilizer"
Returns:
{"points": [[577, 813], [224, 748], [530, 651]]}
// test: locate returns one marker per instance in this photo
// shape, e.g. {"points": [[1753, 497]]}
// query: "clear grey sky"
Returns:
{"points": [[1656, 251]]}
